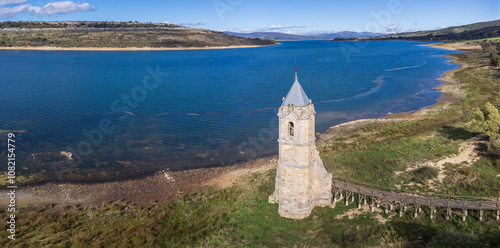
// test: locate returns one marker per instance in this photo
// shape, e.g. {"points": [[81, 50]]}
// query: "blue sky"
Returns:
{"points": [[291, 16]]}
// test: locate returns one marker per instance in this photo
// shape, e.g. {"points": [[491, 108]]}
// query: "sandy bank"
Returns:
{"points": [[48, 48], [459, 46]]}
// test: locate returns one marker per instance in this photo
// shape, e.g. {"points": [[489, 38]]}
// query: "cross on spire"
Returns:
{"points": [[295, 67]]}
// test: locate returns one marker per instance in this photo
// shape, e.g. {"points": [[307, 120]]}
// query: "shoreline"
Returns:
{"points": [[452, 46], [48, 48], [165, 184], [450, 90]]}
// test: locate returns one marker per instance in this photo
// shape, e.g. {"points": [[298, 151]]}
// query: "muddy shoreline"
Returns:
{"points": [[166, 184], [122, 49]]}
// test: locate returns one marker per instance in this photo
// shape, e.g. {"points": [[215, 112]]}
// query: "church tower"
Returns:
{"points": [[302, 181]]}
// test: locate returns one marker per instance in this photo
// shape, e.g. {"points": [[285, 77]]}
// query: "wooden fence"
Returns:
{"points": [[389, 198]]}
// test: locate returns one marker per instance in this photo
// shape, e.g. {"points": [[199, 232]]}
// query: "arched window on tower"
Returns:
{"points": [[291, 128]]}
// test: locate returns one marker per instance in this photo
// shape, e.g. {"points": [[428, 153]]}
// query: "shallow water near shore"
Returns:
{"points": [[128, 114]]}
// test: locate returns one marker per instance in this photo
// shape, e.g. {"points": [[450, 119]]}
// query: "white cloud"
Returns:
{"points": [[48, 9], [279, 26], [61, 7], [5, 2], [190, 23], [393, 28], [229, 30], [443, 26], [273, 27], [12, 11], [186, 23]]}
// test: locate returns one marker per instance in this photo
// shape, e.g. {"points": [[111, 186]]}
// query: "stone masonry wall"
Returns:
{"points": [[302, 182]]}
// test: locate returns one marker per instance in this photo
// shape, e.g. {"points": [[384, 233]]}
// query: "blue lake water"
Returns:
{"points": [[128, 114]]}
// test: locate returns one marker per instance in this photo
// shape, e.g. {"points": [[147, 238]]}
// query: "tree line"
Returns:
{"points": [[494, 50]]}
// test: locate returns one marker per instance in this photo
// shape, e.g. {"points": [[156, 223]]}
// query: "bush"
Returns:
{"points": [[466, 171], [453, 239], [486, 120], [494, 146], [422, 174], [489, 47], [495, 59]]}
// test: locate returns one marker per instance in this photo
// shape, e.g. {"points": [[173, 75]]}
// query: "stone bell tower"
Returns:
{"points": [[302, 181]]}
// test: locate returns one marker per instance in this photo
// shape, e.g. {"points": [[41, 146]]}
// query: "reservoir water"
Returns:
{"points": [[128, 114]]}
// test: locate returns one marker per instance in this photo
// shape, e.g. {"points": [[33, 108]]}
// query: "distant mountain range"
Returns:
{"points": [[320, 36], [474, 31]]}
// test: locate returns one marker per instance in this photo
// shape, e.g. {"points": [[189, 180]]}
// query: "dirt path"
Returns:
{"points": [[354, 212], [469, 153]]}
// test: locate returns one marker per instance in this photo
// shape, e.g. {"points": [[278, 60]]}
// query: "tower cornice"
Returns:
{"points": [[299, 112]]}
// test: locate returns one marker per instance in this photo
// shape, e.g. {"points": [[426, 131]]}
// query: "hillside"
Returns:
{"points": [[480, 30], [115, 35]]}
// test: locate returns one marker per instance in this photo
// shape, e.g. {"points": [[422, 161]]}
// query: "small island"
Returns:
{"points": [[85, 35]]}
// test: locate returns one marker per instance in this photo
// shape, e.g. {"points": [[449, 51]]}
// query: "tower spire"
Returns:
{"points": [[295, 68], [296, 95]]}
